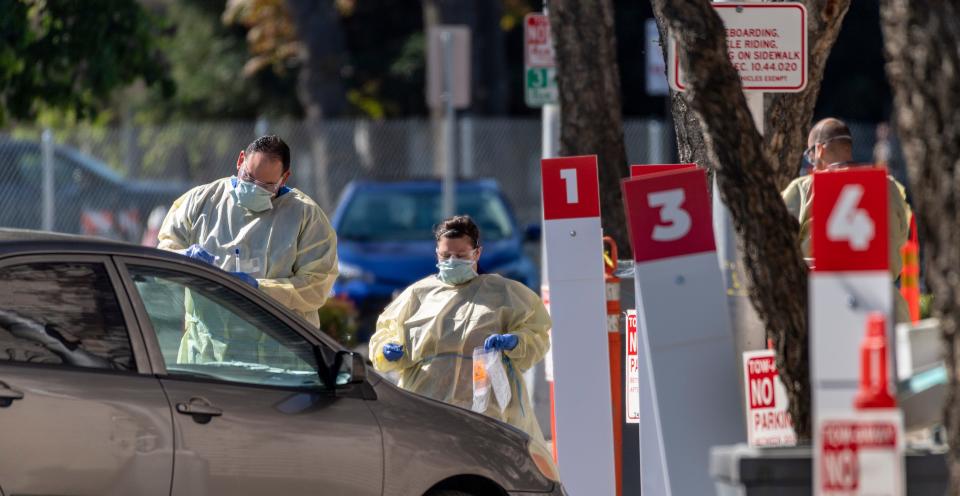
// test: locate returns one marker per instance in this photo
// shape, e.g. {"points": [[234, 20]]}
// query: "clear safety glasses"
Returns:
{"points": [[808, 154], [444, 256], [245, 176]]}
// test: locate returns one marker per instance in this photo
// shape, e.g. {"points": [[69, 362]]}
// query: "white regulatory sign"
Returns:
{"points": [[859, 453], [632, 372], [768, 419], [766, 43], [540, 73]]}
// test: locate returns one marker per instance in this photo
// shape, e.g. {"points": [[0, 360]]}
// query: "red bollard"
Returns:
{"points": [[614, 346]]}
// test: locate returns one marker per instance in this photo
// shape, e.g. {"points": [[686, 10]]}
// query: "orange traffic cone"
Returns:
{"points": [[874, 383]]}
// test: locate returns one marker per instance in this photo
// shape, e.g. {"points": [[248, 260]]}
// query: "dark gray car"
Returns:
{"points": [[102, 393]]}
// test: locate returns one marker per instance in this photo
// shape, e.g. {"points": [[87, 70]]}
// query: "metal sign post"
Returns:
{"points": [[448, 85], [46, 149]]}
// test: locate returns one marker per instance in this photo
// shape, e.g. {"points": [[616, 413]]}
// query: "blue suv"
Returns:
{"points": [[385, 238]]}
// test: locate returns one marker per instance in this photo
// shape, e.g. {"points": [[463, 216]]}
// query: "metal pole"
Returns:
{"points": [[48, 189], [449, 167], [550, 129], [466, 146]]}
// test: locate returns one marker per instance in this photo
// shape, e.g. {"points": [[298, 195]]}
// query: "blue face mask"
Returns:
{"points": [[253, 197], [456, 271]]}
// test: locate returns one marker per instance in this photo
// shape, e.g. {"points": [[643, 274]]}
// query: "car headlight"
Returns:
{"points": [[350, 272], [543, 459]]}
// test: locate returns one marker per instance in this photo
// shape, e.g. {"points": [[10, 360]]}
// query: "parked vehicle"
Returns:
{"points": [[98, 394], [385, 238], [89, 197]]}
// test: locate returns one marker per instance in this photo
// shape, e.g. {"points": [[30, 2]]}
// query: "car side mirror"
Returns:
{"points": [[348, 368], [532, 233]]}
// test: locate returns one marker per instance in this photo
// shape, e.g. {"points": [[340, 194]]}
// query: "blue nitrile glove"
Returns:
{"points": [[197, 252], [247, 278], [392, 351], [501, 342]]}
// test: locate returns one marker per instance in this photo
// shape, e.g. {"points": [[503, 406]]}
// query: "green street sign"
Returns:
{"points": [[541, 86]]}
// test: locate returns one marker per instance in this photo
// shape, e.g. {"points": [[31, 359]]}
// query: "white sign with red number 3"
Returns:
{"points": [[676, 221], [848, 222]]}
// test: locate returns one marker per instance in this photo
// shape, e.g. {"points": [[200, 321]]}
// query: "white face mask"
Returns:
{"points": [[456, 271], [253, 197]]}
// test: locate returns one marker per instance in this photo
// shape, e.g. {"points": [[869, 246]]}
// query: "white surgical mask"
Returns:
{"points": [[456, 271], [253, 197]]}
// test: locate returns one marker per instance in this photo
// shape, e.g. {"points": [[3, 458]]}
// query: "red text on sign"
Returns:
{"points": [[761, 373]]}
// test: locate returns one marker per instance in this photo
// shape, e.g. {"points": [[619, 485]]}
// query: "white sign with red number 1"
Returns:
{"points": [[689, 381], [578, 307]]}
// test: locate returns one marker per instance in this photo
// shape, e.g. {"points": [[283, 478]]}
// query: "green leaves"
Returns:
{"points": [[70, 56]]}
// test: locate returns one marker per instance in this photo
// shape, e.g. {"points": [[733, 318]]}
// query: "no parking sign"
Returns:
{"points": [[768, 418]]}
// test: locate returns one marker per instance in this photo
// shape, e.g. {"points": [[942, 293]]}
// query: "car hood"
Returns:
{"points": [[403, 263]]}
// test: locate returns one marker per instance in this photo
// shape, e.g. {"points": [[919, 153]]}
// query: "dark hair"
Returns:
{"points": [[273, 146], [458, 226]]}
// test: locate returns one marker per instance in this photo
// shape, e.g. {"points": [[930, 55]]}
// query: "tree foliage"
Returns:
{"points": [[72, 55], [206, 61]]}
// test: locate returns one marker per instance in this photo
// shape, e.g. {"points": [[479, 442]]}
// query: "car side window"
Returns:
{"points": [[207, 330], [62, 313]]}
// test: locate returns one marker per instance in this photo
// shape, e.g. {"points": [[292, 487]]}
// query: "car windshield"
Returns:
{"points": [[411, 215]]}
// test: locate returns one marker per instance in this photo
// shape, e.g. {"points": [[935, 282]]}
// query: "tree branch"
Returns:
{"points": [[788, 116]]}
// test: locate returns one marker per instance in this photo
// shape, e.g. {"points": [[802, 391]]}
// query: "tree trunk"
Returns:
{"points": [[767, 233], [320, 88], [590, 111], [921, 38], [690, 145]]}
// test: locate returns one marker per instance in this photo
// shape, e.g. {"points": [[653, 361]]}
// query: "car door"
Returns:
{"points": [[79, 411], [253, 412]]}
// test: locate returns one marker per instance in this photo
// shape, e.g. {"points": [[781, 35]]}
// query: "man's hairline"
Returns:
{"points": [[275, 156]]}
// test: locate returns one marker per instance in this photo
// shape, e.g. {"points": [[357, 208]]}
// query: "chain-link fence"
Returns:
{"points": [[107, 181]]}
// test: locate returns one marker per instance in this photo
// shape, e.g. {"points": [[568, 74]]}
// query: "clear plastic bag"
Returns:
{"points": [[489, 375]]}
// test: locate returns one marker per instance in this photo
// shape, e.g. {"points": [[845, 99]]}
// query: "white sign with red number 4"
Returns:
{"points": [[768, 418]]}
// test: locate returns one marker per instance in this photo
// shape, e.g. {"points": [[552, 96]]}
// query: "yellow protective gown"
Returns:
{"points": [[799, 199], [440, 324], [290, 249]]}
